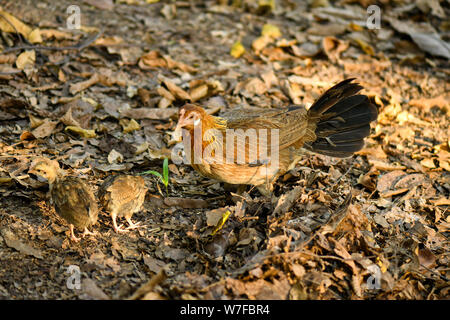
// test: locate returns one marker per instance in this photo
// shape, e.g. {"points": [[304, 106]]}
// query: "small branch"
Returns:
{"points": [[149, 286], [80, 46]]}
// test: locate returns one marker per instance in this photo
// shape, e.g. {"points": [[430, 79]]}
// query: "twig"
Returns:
{"points": [[79, 46], [148, 287], [9, 73]]}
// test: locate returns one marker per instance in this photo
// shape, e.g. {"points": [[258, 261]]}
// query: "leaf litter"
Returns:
{"points": [[107, 105]]}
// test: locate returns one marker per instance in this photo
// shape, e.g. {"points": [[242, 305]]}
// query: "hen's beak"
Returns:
{"points": [[177, 133]]}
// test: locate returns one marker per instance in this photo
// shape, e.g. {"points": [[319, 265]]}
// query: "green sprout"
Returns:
{"points": [[164, 177]]}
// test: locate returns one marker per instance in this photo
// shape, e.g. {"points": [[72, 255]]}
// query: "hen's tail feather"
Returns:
{"points": [[333, 95], [343, 120]]}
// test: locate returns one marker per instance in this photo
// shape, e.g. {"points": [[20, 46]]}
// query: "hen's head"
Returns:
{"points": [[190, 116], [45, 168]]}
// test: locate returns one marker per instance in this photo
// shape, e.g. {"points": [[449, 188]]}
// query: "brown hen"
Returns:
{"points": [[73, 200], [122, 196], [335, 125]]}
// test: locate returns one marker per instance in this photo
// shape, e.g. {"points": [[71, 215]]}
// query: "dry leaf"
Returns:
{"points": [[129, 125], [83, 85], [45, 129], [198, 92], [114, 157], [237, 49], [260, 43], [90, 288], [85, 133], [149, 113], [26, 59], [176, 90], [12, 242], [8, 19], [270, 30]]}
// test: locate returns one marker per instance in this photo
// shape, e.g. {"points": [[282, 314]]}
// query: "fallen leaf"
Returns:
{"points": [[11, 24], [85, 133], [423, 35], [426, 257], [271, 31], [186, 203], [45, 129], [149, 113], [260, 43], [198, 92], [237, 49], [287, 200], [176, 90], [129, 125], [115, 157], [221, 222], [101, 4], [214, 216], [91, 289], [26, 59], [12, 242], [83, 85]]}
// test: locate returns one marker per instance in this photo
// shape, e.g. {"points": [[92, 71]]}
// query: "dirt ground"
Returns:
{"points": [[103, 100]]}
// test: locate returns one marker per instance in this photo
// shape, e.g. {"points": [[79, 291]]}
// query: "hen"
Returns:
{"points": [[255, 153], [72, 198], [122, 196]]}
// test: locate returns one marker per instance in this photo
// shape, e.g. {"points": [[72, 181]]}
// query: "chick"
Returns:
{"points": [[72, 198], [122, 196]]}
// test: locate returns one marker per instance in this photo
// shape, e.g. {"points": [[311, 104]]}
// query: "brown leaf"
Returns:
{"points": [[153, 264], [333, 47], [287, 200], [186, 203], [12, 242], [149, 113], [26, 59], [101, 4], [214, 216], [199, 92], [83, 85], [176, 90], [256, 86], [426, 257], [45, 129], [91, 289], [152, 60]]}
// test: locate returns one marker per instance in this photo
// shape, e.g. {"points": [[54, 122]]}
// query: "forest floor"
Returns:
{"points": [[103, 100]]}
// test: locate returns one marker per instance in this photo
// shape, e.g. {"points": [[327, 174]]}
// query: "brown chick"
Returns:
{"points": [[335, 125], [73, 200], [122, 196]]}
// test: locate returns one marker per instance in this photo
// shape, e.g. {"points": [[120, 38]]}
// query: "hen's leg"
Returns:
{"points": [[265, 189]]}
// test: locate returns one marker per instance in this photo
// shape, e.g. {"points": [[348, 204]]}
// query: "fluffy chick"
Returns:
{"points": [[122, 196], [73, 200]]}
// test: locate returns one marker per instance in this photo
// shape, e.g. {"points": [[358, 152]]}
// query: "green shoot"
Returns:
{"points": [[164, 177]]}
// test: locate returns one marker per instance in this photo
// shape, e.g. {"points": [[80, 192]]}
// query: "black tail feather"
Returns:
{"points": [[343, 120], [333, 95]]}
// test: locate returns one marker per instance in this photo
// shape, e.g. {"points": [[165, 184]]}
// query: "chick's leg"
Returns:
{"points": [[72, 234], [114, 218], [131, 224], [87, 232]]}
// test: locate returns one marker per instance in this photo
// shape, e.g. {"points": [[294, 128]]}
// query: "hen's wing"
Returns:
{"points": [[74, 201], [292, 124]]}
